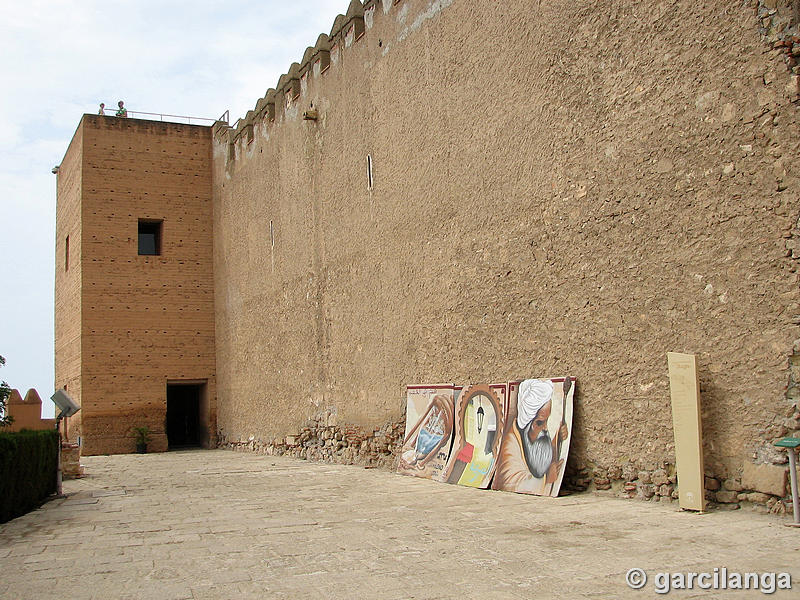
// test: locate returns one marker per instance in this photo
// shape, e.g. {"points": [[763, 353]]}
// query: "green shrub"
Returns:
{"points": [[28, 463]]}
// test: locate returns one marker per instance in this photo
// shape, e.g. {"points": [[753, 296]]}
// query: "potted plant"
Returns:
{"points": [[142, 435]]}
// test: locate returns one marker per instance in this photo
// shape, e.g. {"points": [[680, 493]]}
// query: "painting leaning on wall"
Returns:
{"points": [[513, 436], [537, 436]]}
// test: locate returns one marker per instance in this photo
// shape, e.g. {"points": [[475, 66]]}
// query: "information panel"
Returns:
{"points": [[688, 429]]}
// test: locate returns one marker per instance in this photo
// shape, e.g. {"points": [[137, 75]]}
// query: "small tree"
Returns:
{"points": [[5, 392]]}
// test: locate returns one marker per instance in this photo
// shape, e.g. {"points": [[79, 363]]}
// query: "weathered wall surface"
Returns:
{"points": [[559, 188], [68, 277], [146, 320]]}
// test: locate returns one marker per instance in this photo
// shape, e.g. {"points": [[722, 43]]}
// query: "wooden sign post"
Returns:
{"points": [[687, 428]]}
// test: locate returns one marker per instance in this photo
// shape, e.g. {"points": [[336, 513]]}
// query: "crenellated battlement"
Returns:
{"points": [[382, 21]]}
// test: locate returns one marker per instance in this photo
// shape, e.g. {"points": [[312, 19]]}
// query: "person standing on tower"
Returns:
{"points": [[122, 112]]}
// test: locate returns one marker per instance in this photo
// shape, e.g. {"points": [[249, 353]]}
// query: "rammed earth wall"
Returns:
{"points": [[558, 188]]}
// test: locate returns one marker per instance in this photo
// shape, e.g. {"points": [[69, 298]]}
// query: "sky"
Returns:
{"points": [[60, 59]]}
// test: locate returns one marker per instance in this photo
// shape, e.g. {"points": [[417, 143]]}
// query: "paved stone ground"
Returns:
{"points": [[220, 524]]}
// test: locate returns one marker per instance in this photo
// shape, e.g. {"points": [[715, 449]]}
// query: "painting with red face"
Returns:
{"points": [[536, 436]]}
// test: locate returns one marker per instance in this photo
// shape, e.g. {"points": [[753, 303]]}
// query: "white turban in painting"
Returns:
{"points": [[533, 395]]}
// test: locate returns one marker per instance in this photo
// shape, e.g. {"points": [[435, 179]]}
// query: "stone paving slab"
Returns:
{"points": [[218, 524]]}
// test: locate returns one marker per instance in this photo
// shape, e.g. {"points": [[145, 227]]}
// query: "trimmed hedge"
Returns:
{"points": [[28, 464]]}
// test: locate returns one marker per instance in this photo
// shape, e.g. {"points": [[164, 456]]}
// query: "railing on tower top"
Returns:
{"points": [[163, 116]]}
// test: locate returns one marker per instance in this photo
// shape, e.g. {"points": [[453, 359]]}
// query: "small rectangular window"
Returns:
{"points": [[66, 254], [149, 237], [369, 171]]}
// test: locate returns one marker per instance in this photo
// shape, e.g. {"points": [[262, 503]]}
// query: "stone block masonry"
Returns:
{"points": [[321, 439], [71, 461], [769, 479]]}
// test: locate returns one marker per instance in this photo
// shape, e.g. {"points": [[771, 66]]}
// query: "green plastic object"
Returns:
{"points": [[788, 442]]}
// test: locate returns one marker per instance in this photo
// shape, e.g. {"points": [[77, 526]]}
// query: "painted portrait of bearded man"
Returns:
{"points": [[536, 438]]}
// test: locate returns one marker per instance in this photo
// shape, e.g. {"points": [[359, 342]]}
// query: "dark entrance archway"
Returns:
{"points": [[183, 414]]}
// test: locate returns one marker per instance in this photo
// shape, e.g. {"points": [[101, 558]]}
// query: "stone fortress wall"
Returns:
{"points": [[557, 188]]}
